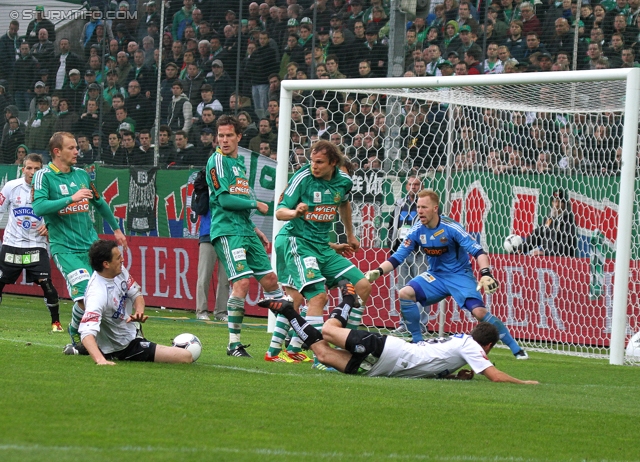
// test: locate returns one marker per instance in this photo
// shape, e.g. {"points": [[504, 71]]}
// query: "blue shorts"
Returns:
{"points": [[430, 288]]}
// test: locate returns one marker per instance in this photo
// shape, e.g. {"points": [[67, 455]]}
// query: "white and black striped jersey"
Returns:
{"points": [[23, 223]]}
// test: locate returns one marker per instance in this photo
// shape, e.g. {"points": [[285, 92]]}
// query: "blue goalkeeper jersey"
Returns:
{"points": [[447, 246]]}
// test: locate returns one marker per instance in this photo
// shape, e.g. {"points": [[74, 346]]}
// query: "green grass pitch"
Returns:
{"points": [[58, 408]]}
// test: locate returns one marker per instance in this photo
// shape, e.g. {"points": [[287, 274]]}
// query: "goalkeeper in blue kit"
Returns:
{"points": [[447, 246]]}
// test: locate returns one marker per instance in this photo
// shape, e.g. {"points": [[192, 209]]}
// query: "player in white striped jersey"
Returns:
{"points": [[24, 245], [113, 304], [377, 355]]}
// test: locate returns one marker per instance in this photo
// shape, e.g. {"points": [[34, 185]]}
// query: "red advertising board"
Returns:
{"points": [[540, 298]]}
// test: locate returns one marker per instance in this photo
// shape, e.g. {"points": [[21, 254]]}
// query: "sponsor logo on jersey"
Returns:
{"points": [[238, 254], [438, 233], [77, 207], [235, 170], [130, 282], [91, 316], [444, 239], [322, 214], [241, 187], [25, 212], [337, 198], [239, 267], [407, 243], [427, 277], [423, 239], [311, 262], [317, 197], [72, 184], [77, 276], [310, 274], [2, 198], [64, 190], [435, 251], [214, 178], [145, 344]]}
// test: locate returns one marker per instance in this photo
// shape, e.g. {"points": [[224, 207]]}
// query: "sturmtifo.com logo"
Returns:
{"points": [[54, 15]]}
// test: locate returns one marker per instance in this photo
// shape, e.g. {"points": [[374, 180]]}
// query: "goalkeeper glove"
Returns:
{"points": [[373, 274], [487, 282]]}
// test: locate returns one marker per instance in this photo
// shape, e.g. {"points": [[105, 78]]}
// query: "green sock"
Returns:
{"points": [[235, 308], [355, 317], [279, 334]]}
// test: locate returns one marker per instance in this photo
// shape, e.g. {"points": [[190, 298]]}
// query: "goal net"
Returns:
{"points": [[541, 160]]}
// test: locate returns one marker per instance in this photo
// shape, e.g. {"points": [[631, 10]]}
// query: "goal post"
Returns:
{"points": [[587, 121]]}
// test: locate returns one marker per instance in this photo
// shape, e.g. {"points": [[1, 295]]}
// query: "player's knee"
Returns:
{"points": [[269, 282], [298, 299], [50, 292], [240, 287], [407, 293]]}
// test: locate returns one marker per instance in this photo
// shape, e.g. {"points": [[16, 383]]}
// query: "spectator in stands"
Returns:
{"points": [[24, 77], [123, 68], [185, 152], [563, 39], [207, 120], [515, 42], [465, 18], [64, 62], [192, 82], [40, 128], [9, 51], [181, 112], [205, 147], [364, 68], [614, 52], [265, 134], [557, 236], [445, 68], [471, 57], [43, 50], [171, 73], [88, 121], [21, 152], [629, 58], [146, 153], [249, 129], [530, 22], [86, 154], [375, 52], [181, 20], [262, 63], [451, 41], [451, 10], [124, 121], [545, 62], [166, 151], [13, 137], [38, 23], [208, 101], [142, 73], [139, 108], [114, 154], [66, 119], [39, 90], [492, 65], [129, 147], [220, 83]]}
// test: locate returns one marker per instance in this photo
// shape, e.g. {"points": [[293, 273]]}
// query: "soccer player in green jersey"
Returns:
{"points": [[62, 194], [240, 246], [306, 262]]}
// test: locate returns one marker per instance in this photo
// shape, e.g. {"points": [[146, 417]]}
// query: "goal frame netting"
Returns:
{"points": [[629, 77]]}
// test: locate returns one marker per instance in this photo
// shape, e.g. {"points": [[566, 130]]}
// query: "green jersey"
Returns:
{"points": [[227, 175], [323, 199], [69, 223]]}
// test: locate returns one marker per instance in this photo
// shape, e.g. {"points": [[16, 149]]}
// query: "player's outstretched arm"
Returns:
{"points": [[384, 268], [89, 342], [496, 375]]}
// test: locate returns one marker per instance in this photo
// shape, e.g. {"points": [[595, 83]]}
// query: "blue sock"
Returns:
{"points": [[411, 315], [505, 336]]}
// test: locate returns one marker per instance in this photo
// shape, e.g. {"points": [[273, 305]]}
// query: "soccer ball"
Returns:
{"points": [[512, 242], [633, 347], [189, 342]]}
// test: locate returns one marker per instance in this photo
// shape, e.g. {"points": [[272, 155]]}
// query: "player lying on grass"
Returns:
{"points": [[447, 246], [113, 304], [377, 355]]}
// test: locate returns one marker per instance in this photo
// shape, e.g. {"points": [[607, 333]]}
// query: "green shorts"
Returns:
{"points": [[242, 256], [76, 270], [302, 263]]}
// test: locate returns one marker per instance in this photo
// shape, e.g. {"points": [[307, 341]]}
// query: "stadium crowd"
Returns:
{"points": [[105, 91]]}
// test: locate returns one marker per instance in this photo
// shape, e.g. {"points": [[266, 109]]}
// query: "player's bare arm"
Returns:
{"points": [[496, 375], [138, 311], [285, 214], [81, 194], [262, 237], [342, 249], [91, 345], [262, 207]]}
